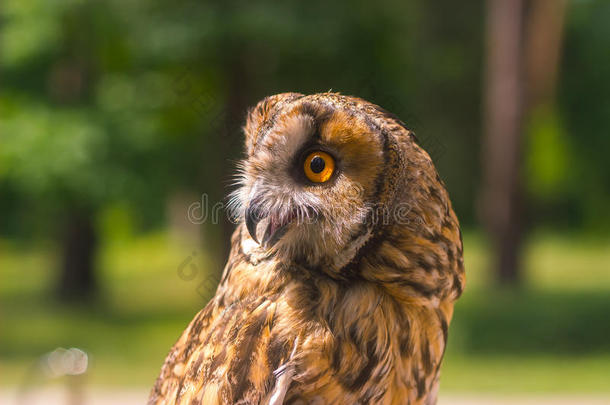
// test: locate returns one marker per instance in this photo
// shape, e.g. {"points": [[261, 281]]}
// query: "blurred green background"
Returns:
{"points": [[117, 116]]}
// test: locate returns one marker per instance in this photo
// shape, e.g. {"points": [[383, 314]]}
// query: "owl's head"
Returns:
{"points": [[325, 175]]}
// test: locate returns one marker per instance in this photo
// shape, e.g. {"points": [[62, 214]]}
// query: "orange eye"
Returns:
{"points": [[319, 166]]}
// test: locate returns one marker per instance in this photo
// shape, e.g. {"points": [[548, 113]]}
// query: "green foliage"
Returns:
{"points": [[56, 152], [585, 108], [149, 84], [129, 100], [548, 160]]}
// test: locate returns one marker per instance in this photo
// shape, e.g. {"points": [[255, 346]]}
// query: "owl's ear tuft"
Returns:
{"points": [[261, 116]]}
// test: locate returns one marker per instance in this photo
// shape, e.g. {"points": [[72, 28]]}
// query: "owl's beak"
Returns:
{"points": [[274, 230], [253, 217]]}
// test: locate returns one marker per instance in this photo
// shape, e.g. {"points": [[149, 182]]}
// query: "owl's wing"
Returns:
{"points": [[227, 356]]}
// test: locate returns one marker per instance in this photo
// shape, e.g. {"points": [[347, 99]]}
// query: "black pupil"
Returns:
{"points": [[317, 164]]}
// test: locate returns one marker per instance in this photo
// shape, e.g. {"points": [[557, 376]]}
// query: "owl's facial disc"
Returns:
{"points": [[309, 184]]}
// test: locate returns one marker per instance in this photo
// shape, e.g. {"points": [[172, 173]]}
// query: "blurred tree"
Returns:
{"points": [[544, 35], [501, 197], [521, 78], [165, 88], [115, 102], [67, 148], [546, 149]]}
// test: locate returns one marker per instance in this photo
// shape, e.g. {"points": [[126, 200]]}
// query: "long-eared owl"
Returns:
{"points": [[343, 271]]}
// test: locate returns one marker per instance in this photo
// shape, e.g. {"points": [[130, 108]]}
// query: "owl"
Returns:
{"points": [[343, 272]]}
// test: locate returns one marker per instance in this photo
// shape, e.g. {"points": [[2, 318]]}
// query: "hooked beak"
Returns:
{"points": [[252, 220], [276, 228]]}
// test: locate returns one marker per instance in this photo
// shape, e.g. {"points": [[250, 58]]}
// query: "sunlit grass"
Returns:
{"points": [[551, 261], [558, 262], [550, 337], [143, 307], [532, 373]]}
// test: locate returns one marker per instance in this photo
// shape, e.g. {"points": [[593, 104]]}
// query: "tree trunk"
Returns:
{"points": [[545, 26], [77, 280], [501, 149]]}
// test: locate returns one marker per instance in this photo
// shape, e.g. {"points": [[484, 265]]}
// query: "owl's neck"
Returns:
{"points": [[403, 264]]}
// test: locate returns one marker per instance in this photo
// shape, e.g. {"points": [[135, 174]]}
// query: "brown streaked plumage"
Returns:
{"points": [[349, 295]]}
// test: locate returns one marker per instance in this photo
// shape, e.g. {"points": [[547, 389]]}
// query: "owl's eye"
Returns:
{"points": [[319, 166]]}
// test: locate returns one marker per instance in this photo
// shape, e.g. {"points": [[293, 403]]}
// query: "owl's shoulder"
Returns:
{"points": [[226, 355]]}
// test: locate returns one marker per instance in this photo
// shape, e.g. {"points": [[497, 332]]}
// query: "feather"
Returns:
{"points": [[283, 378]]}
